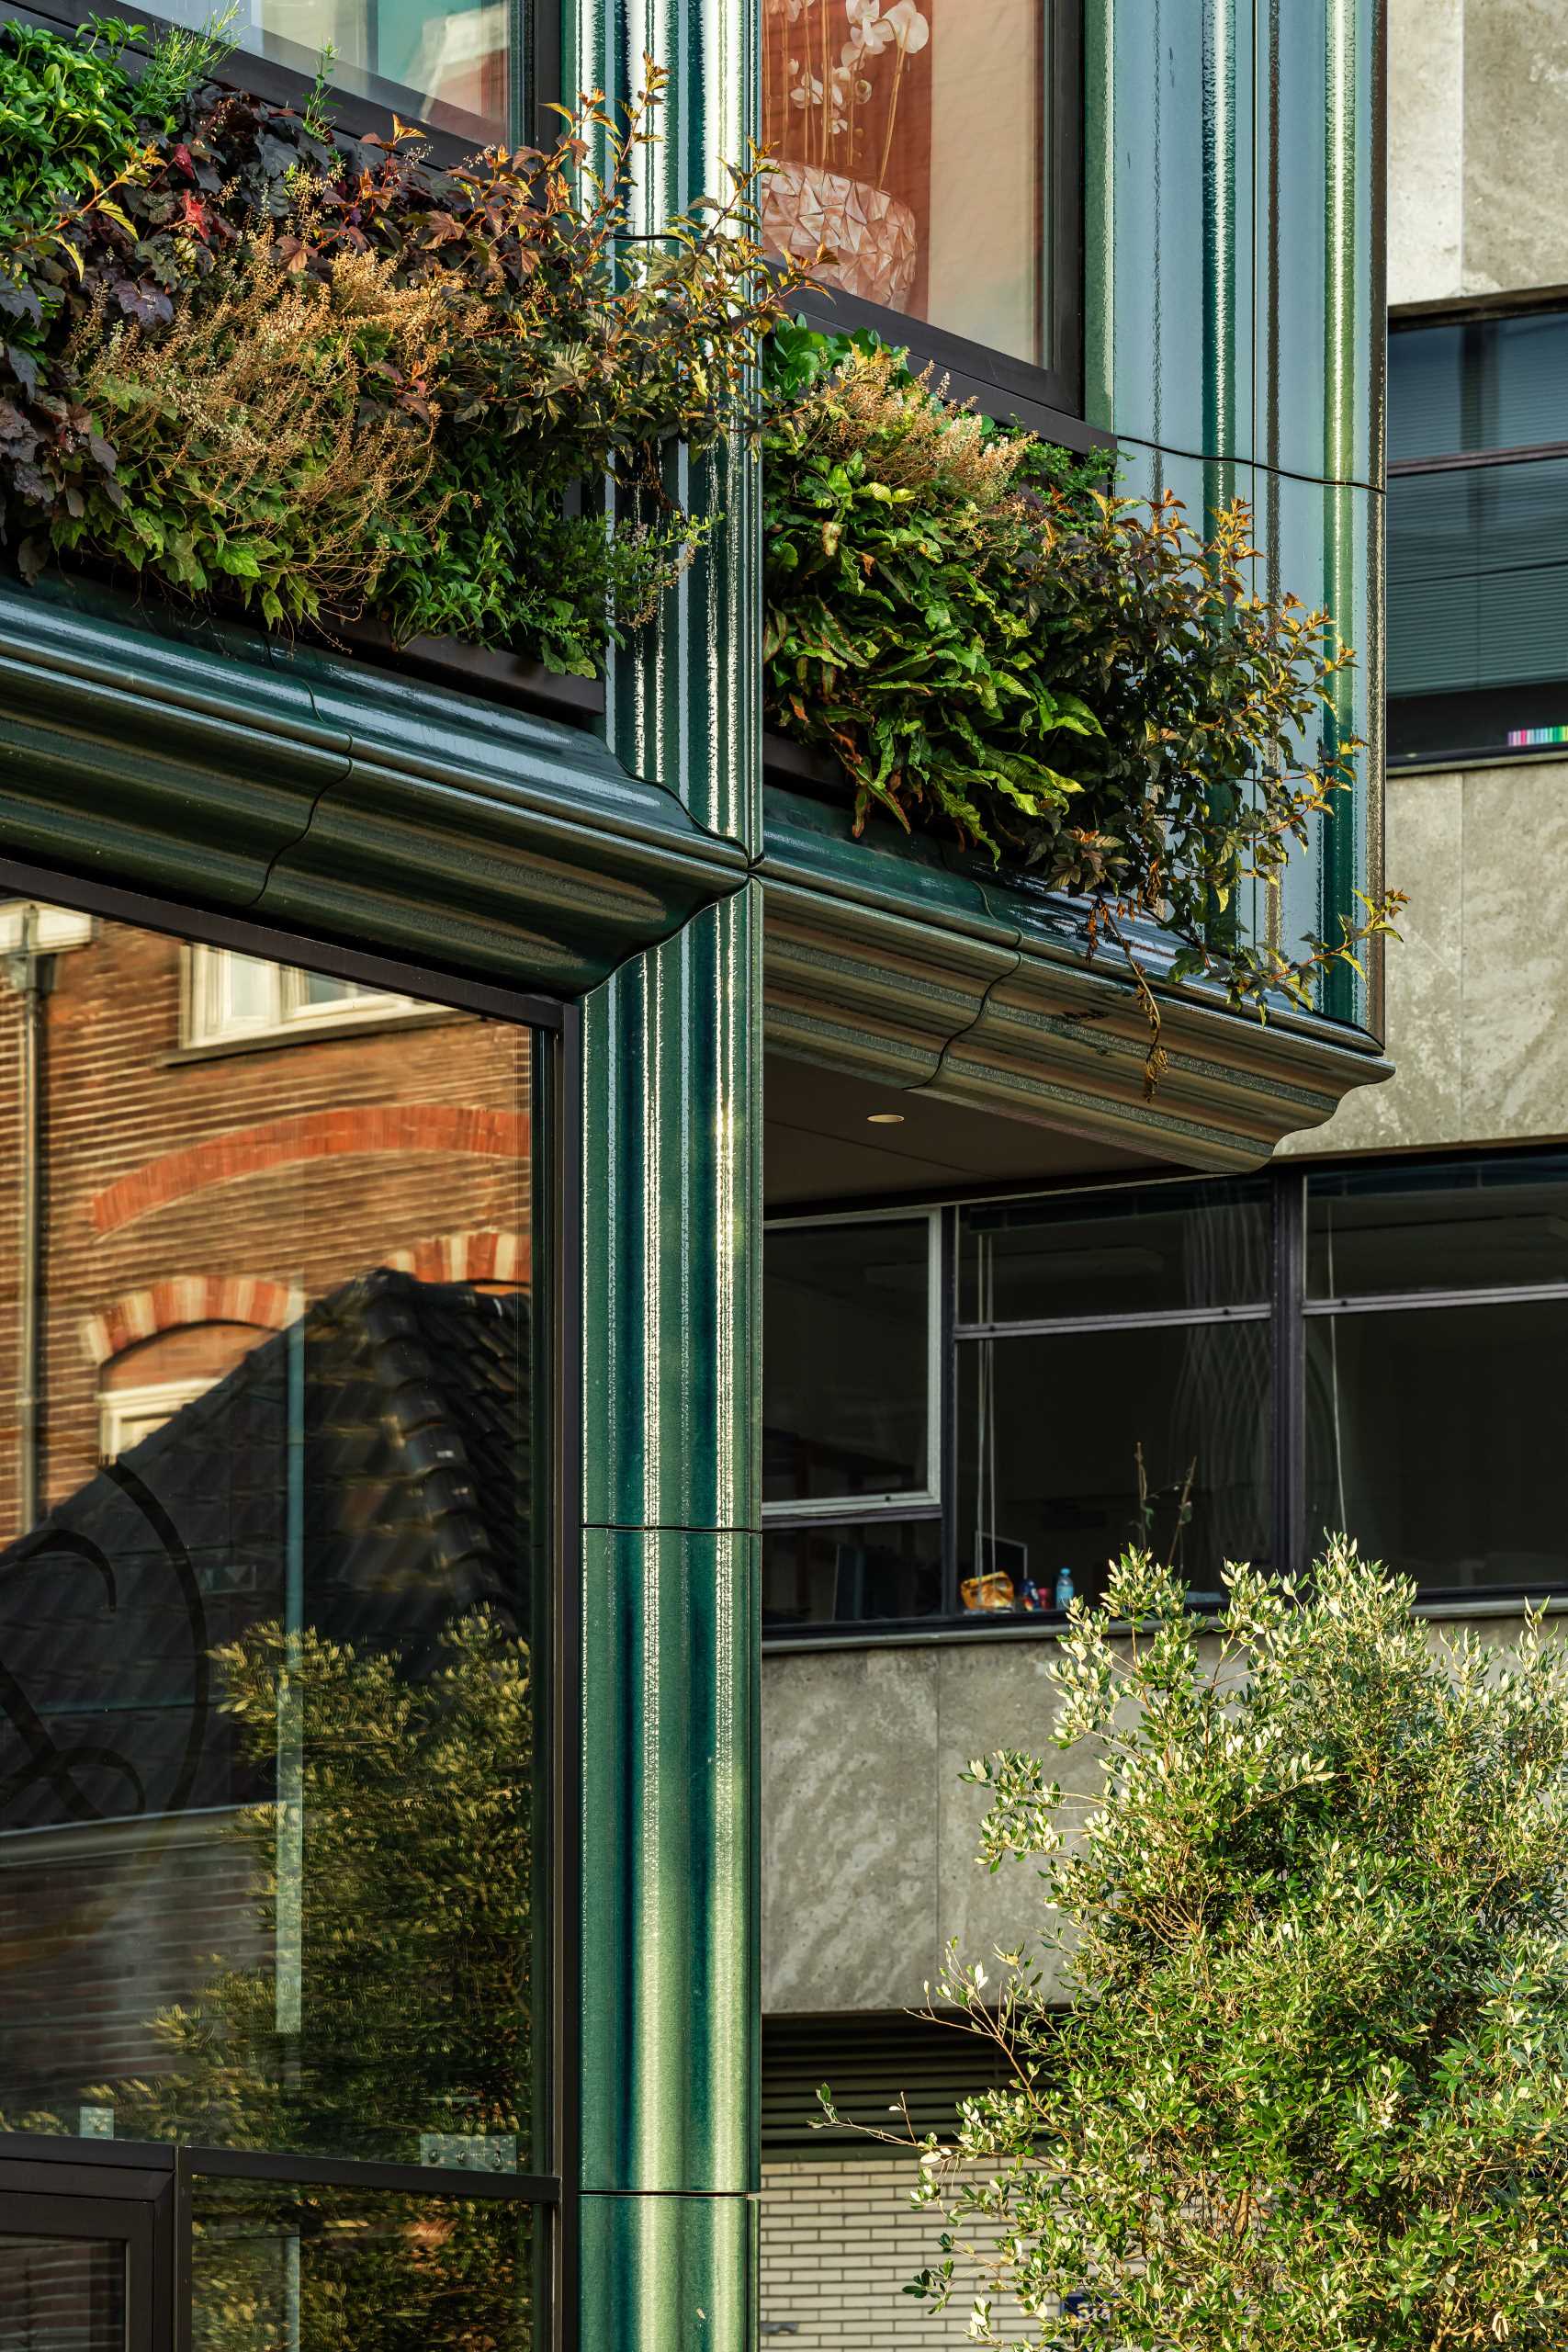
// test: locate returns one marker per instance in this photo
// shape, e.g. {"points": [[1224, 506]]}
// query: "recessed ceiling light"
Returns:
{"points": [[884, 1118]]}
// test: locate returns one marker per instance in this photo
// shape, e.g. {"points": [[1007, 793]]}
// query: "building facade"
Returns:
{"points": [[403, 1060], [1371, 1334]]}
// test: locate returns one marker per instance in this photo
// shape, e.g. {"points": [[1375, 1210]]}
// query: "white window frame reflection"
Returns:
{"points": [[126, 1416], [904, 1502], [211, 1016]]}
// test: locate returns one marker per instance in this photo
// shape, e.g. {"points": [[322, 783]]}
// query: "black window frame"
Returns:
{"points": [[534, 77], [1046, 398], [80, 2167], [1463, 728], [1286, 1312]]}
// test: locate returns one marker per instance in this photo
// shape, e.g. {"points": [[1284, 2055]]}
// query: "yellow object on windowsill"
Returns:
{"points": [[993, 1592]]}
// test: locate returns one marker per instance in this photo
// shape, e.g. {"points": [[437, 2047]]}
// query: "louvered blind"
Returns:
{"points": [[867, 2062]]}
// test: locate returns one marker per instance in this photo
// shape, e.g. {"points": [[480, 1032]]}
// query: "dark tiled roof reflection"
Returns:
{"points": [[402, 1502]]}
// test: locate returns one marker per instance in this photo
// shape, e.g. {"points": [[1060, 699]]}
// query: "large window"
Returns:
{"points": [[445, 62], [1220, 1371], [1478, 536], [274, 1608], [928, 148]]}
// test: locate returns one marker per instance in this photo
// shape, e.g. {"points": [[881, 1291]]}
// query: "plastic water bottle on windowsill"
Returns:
{"points": [[1063, 1590]]}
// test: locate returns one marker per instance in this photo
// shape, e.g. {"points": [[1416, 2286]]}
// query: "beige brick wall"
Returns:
{"points": [[839, 2243]]}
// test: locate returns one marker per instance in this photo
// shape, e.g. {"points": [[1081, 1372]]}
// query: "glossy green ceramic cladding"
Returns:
{"points": [[669, 1981], [667, 2274], [333, 796], [673, 1191], [1246, 361], [683, 704], [667, 1985]]}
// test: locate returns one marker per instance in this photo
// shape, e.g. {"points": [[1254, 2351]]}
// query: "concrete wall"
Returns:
{"points": [[869, 1866], [868, 1839], [1477, 990], [1478, 128]]}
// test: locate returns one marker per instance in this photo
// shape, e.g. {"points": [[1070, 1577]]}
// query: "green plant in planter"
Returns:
{"points": [[67, 123], [1289, 2056], [573, 353], [992, 643]]}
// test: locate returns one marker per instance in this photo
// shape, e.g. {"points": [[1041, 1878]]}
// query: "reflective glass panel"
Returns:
{"points": [[62, 2294], [268, 1605], [307, 2269], [1480, 1225], [445, 64], [1107, 1253], [911, 139], [829, 1572], [1049, 1432], [1434, 1436], [845, 1409]]}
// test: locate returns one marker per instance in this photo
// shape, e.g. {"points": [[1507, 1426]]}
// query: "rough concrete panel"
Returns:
{"points": [[990, 1695], [1515, 970], [851, 1799], [1426, 149], [1423, 1104], [1515, 137]]}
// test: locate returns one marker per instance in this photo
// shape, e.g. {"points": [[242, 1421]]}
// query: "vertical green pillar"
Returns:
{"points": [[668, 1997], [668, 2004]]}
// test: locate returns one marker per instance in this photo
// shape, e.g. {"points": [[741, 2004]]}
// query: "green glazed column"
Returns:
{"points": [[683, 702], [668, 1998]]}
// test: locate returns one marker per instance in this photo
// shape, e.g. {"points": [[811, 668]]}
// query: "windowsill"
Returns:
{"points": [[1050, 1626], [308, 1032]]}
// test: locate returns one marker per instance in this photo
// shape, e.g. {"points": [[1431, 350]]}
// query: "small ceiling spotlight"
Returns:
{"points": [[884, 1118]]}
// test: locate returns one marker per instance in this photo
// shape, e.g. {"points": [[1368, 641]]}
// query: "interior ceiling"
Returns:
{"points": [[820, 1148]]}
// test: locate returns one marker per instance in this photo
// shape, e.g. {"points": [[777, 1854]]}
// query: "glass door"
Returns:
{"points": [[82, 2270]]}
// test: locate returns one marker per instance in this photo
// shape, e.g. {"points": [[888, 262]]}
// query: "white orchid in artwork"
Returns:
{"points": [[831, 95], [911, 31]]}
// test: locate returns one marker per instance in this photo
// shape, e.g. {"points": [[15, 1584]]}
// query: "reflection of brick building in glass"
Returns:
{"points": [[192, 1194], [281, 1265]]}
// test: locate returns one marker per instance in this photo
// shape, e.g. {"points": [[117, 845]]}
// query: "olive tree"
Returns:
{"points": [[1288, 2058]]}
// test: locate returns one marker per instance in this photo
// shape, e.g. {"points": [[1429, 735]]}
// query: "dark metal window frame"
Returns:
{"points": [[1048, 399], [534, 76], [68, 2168], [1428, 731], [1287, 1309]]}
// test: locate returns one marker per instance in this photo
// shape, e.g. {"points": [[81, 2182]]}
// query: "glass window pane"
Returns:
{"points": [[1480, 1225], [911, 142], [828, 1572], [1434, 1437], [846, 1368], [279, 2268], [1477, 577], [1132, 1253], [444, 63], [1486, 384], [62, 2294], [266, 1750], [325, 988], [248, 986], [1048, 1436]]}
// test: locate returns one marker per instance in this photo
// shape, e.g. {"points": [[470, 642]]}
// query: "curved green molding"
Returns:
{"points": [[325, 793]]}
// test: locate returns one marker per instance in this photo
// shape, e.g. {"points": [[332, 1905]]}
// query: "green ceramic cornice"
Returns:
{"points": [[330, 796], [913, 970]]}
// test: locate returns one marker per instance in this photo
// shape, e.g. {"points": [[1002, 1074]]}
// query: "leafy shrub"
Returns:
{"points": [[989, 640], [583, 351], [66, 123], [1310, 1904]]}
